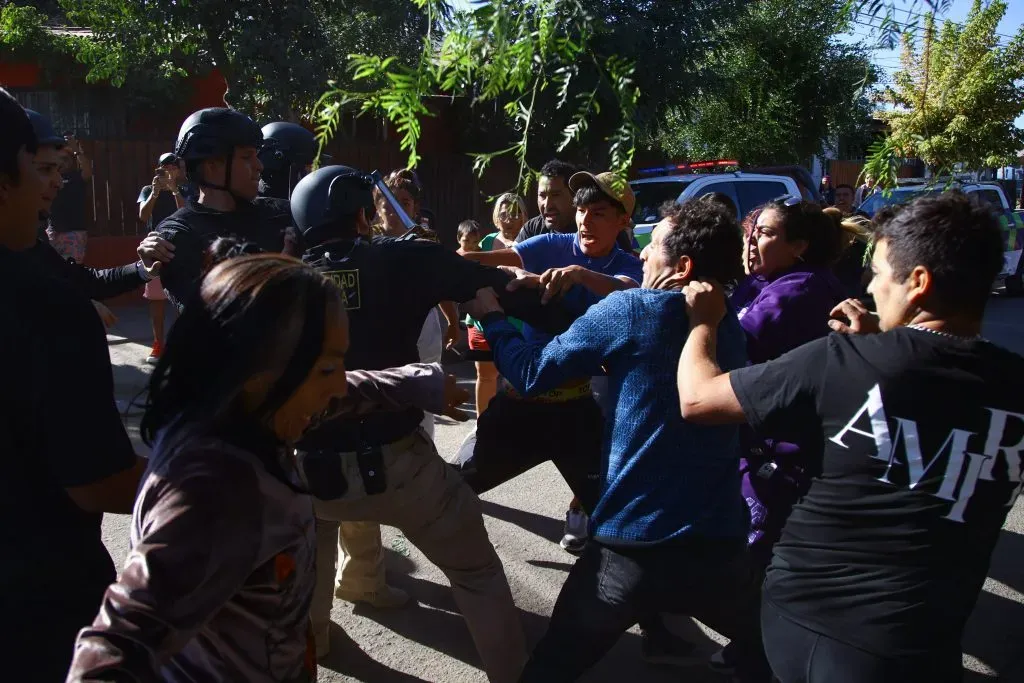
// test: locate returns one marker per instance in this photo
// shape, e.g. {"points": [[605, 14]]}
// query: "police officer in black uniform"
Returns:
{"points": [[287, 154], [220, 149], [380, 467]]}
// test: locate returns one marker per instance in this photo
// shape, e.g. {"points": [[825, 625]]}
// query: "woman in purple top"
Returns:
{"points": [[784, 303]]}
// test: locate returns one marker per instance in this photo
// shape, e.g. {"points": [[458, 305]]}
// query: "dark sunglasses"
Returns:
{"points": [[787, 200]]}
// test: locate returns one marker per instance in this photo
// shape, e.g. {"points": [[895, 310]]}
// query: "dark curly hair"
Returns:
{"points": [[227, 247], [402, 179], [807, 221], [956, 238], [557, 168], [708, 233]]}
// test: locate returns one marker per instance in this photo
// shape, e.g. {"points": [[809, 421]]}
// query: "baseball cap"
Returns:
{"points": [[610, 183], [167, 158]]}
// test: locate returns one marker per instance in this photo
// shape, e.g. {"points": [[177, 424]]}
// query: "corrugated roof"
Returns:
{"points": [[77, 31]]}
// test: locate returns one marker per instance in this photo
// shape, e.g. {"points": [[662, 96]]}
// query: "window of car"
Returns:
{"points": [[651, 196], [990, 196], [756, 193]]}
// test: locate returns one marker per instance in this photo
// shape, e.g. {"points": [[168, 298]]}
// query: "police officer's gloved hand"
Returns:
{"points": [[421, 233]]}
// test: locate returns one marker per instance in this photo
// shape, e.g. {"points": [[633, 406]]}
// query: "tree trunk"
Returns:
{"points": [[220, 57]]}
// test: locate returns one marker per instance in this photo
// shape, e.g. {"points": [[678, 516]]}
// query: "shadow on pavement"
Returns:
{"points": [[397, 563], [996, 628], [348, 659], [1008, 560], [442, 628], [546, 564], [543, 526]]}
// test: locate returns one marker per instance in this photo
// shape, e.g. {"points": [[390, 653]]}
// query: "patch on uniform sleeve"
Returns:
{"points": [[348, 282]]}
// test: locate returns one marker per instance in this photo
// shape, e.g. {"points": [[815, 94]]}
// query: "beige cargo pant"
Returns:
{"points": [[361, 553], [437, 511]]}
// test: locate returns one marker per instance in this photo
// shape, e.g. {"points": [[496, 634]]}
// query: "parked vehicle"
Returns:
{"points": [[1012, 221], [746, 191]]}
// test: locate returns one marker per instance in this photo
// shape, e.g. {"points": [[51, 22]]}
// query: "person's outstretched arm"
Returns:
{"points": [[580, 351], [778, 398]]}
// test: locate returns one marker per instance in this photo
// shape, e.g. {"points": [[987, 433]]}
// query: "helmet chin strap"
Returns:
{"points": [[226, 187]]}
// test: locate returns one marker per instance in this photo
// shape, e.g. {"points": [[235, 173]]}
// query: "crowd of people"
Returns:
{"points": [[810, 456]]}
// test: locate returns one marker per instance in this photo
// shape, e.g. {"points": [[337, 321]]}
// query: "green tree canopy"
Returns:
{"points": [[958, 93], [562, 74], [276, 56], [779, 87]]}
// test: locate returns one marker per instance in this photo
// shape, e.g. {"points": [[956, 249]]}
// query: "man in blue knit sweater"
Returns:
{"points": [[669, 530]]}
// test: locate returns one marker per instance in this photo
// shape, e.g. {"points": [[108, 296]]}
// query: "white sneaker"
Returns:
{"points": [[576, 535]]}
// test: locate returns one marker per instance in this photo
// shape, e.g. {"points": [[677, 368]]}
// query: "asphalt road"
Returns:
{"points": [[429, 642]]}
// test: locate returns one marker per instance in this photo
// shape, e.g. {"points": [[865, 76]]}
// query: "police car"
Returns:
{"points": [[1011, 221], [745, 190]]}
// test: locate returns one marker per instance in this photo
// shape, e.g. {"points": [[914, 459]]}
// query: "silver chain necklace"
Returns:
{"points": [[922, 328]]}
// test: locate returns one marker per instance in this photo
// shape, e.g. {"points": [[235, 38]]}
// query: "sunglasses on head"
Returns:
{"points": [[787, 200]]}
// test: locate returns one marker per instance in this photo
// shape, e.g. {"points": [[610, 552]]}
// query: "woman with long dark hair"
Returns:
{"points": [[220, 576], [785, 301]]}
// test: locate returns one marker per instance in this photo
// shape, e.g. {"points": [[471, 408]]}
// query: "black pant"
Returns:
{"points": [[800, 655], [611, 588], [515, 435]]}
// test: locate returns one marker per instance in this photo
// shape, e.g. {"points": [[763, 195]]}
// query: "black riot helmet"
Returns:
{"points": [[326, 203], [213, 133], [45, 134], [286, 144]]}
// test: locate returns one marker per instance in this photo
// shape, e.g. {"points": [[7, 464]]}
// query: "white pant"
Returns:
{"points": [[430, 346]]}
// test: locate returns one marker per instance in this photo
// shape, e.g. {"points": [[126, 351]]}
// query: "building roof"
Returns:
{"points": [[77, 31]]}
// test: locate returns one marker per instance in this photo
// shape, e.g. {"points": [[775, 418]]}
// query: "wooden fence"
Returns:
{"points": [[848, 172]]}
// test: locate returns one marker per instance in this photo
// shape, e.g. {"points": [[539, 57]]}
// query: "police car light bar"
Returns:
{"points": [[690, 166]]}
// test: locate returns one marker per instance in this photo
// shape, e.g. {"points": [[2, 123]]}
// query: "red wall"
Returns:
{"points": [[19, 75], [208, 91]]}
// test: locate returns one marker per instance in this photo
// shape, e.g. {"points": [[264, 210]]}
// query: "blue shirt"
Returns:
{"points": [[663, 478], [560, 250]]}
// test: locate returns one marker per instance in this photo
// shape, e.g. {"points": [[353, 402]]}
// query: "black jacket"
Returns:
{"points": [[94, 283], [266, 222]]}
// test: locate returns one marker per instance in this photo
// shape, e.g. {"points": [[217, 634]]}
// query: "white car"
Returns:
{"points": [[1012, 222], [746, 192]]}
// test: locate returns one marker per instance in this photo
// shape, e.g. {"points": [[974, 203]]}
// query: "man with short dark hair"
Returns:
{"points": [[67, 456], [579, 268], [844, 199], [922, 421], [220, 147], [669, 528], [555, 203], [96, 284]]}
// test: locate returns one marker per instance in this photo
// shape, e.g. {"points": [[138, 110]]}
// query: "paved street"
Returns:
{"points": [[430, 642]]}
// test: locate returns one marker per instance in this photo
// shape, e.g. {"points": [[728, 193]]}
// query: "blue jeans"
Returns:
{"points": [[610, 589]]}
